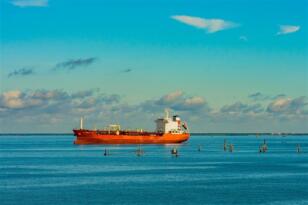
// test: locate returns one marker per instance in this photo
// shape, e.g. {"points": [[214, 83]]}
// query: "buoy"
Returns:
{"points": [[174, 152], [199, 148], [263, 147]]}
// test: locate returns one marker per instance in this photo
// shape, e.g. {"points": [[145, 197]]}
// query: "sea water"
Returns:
{"points": [[50, 169]]}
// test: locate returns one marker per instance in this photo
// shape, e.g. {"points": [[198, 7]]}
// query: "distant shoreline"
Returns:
{"points": [[193, 134]]}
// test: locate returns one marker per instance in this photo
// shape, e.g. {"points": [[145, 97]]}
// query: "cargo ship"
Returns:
{"points": [[169, 130]]}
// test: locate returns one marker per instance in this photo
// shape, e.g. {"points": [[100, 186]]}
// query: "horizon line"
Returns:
{"points": [[195, 133]]}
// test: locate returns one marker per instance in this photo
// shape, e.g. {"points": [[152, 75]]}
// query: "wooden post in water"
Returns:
{"points": [[225, 145], [139, 151], [260, 149], [199, 148], [106, 152], [231, 148], [298, 148], [264, 146]]}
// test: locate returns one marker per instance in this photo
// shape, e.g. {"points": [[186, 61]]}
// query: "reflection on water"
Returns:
{"points": [[51, 170]]}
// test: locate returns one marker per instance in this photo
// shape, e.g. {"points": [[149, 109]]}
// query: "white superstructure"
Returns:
{"points": [[169, 125]]}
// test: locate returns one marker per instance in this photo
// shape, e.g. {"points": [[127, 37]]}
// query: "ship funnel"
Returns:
{"points": [[81, 123]]}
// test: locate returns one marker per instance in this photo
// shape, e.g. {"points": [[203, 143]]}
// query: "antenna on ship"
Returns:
{"points": [[81, 123], [166, 113]]}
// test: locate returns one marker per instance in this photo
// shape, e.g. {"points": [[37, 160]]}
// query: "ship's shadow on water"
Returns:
{"points": [[46, 169]]}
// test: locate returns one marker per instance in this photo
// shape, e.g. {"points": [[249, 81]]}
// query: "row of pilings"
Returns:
{"points": [[227, 147]]}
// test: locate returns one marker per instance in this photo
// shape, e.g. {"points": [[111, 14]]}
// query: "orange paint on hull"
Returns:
{"points": [[94, 137]]}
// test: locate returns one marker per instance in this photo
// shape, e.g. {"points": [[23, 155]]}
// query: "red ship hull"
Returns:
{"points": [[126, 137]]}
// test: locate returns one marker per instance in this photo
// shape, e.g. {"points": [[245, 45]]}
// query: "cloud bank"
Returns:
{"points": [[58, 110], [209, 25]]}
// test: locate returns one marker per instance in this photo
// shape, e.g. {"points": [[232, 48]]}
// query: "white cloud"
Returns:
{"points": [[296, 106], [210, 25], [243, 38], [177, 101], [12, 99], [30, 3], [286, 29], [196, 100], [172, 96]]}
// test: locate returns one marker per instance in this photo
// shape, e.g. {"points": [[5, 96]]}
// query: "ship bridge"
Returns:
{"points": [[170, 124]]}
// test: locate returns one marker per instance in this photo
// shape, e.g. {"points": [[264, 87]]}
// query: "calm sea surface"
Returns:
{"points": [[51, 170]]}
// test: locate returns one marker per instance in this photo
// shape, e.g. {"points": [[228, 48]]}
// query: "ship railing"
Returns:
{"points": [[127, 132]]}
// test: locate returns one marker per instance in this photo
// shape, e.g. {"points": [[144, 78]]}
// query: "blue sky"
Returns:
{"points": [[209, 56]]}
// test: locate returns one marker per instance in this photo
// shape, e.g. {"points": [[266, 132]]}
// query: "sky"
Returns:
{"points": [[222, 65]]}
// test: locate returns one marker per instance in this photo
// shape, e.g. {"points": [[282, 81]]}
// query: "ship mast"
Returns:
{"points": [[81, 123], [166, 113]]}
